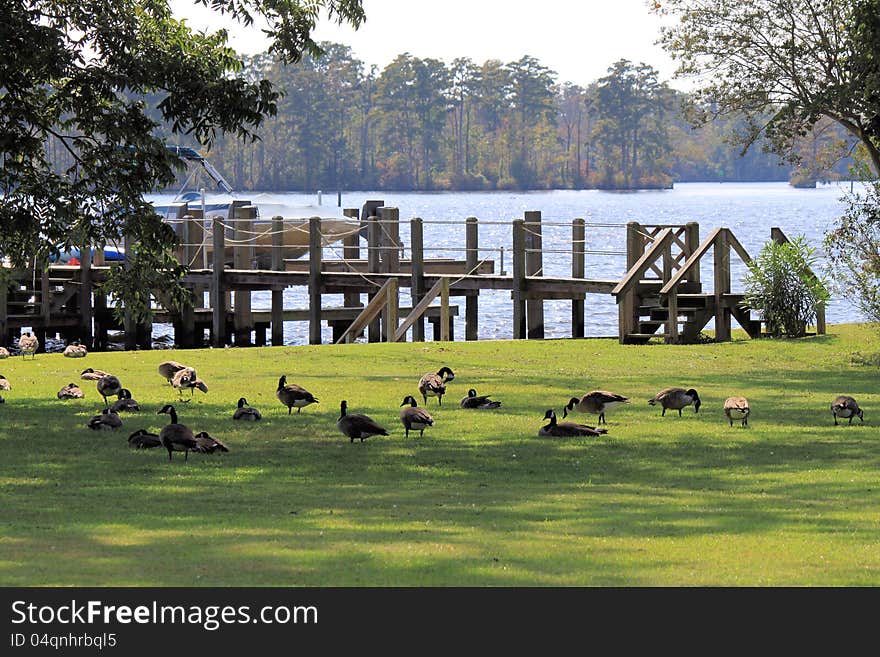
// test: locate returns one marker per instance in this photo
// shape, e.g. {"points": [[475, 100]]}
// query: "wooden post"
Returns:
{"points": [[316, 253], [628, 308], [692, 239], [417, 286], [390, 231], [218, 294], [127, 319], [187, 321], [578, 237], [519, 279], [534, 267], [100, 301], [243, 258], [373, 267], [722, 286], [85, 299], [445, 319], [45, 296], [277, 327], [390, 312], [472, 260], [351, 250], [672, 317]]}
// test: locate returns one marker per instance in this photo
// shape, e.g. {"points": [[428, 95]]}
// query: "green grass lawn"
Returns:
{"points": [[480, 500]]}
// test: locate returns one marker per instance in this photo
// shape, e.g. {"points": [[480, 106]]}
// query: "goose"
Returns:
{"points": [[473, 400], [846, 407], [28, 344], [90, 374], [246, 413], [70, 391], [356, 425], [415, 418], [206, 444], [293, 396], [676, 399], [596, 402], [4, 353], [176, 437], [434, 385], [106, 421], [554, 429], [143, 439], [125, 402], [108, 386], [4, 383], [169, 368], [187, 379], [738, 406], [75, 350]]}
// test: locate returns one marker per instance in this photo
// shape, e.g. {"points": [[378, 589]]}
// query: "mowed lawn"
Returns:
{"points": [[480, 499]]}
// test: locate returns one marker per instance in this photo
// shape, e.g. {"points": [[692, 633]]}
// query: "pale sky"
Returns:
{"points": [[579, 39]]}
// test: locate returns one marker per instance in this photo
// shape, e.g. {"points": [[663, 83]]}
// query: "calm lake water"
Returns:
{"points": [[749, 209]]}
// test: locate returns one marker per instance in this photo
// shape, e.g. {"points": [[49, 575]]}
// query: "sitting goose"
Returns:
{"points": [[70, 391], [434, 385], [106, 421], [415, 418], [595, 402], [473, 400], [206, 444], [4, 383], [846, 407], [75, 350], [356, 425], [108, 386], [4, 353], [676, 399], [90, 374], [738, 406], [143, 439], [125, 402], [176, 437], [246, 413], [554, 429], [28, 344], [294, 396]]}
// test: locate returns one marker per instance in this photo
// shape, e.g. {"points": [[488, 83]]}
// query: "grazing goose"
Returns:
{"points": [[143, 439], [415, 418], [206, 444], [108, 386], [246, 413], [356, 425], [434, 385], [125, 402], [596, 402], [70, 391], [75, 350], [4, 383], [293, 396], [169, 368], [554, 429], [187, 379], [4, 353], [473, 400], [846, 407], [676, 399], [28, 344], [90, 374], [738, 406], [176, 437], [106, 421]]}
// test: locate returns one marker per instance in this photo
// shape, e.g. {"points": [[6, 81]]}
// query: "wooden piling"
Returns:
{"points": [[417, 286], [519, 279], [351, 250], [277, 325], [218, 294], [316, 253], [692, 240], [722, 286], [578, 237], [243, 258], [472, 259], [534, 267], [373, 267], [85, 294]]}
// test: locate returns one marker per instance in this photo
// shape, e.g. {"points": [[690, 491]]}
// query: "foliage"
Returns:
{"points": [[781, 284], [108, 82], [853, 247]]}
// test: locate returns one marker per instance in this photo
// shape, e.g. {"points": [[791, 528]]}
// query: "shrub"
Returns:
{"points": [[781, 285]]}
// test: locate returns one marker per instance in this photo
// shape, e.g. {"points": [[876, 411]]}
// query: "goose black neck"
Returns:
{"points": [[173, 415]]}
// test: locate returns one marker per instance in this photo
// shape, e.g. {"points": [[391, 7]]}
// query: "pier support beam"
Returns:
{"points": [[316, 253], [519, 280], [534, 267], [578, 236], [218, 294], [472, 259]]}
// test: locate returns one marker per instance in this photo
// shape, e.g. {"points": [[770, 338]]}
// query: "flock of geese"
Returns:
{"points": [[177, 437]]}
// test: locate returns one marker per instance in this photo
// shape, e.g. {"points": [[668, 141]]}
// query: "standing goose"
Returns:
{"points": [[473, 400], [356, 425], [176, 437], [596, 402], [846, 407], [676, 399], [246, 413], [293, 396], [434, 385], [75, 350], [207, 444], [4, 383], [125, 403], [415, 418], [107, 420], [28, 344], [738, 406], [90, 374], [143, 439], [554, 429], [70, 391], [168, 368], [108, 386]]}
